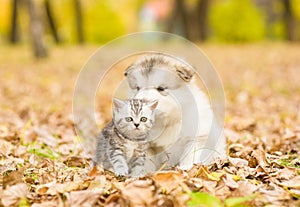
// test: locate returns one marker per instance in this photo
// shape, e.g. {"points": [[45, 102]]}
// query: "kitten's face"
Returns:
{"points": [[134, 118]]}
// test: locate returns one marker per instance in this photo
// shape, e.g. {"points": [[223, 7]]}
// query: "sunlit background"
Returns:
{"points": [[96, 22], [254, 46]]}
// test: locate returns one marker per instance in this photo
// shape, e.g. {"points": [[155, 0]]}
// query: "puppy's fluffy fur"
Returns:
{"points": [[185, 130]]}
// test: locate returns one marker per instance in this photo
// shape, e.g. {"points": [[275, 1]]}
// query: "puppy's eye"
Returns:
{"points": [[128, 119], [143, 119], [160, 88], [137, 88]]}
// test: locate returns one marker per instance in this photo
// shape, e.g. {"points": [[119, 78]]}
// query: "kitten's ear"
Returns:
{"points": [[118, 103], [153, 104]]}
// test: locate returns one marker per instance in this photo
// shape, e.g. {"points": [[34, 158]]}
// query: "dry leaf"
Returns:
{"points": [[285, 173], [168, 180], [246, 188], [261, 158], [6, 148], [45, 204], [228, 180], [139, 192], [293, 183], [76, 161], [13, 177], [84, 198], [12, 195], [48, 188], [238, 162], [262, 118]]}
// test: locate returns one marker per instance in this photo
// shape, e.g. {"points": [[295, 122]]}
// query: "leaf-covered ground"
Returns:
{"points": [[42, 164]]}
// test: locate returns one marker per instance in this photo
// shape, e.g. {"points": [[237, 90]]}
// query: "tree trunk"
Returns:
{"points": [[184, 17], [51, 21], [289, 20], [14, 37], [79, 28], [36, 30], [202, 10], [180, 19]]}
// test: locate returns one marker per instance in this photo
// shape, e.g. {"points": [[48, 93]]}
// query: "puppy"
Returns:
{"points": [[185, 130]]}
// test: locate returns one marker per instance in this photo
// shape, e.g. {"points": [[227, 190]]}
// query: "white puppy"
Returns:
{"points": [[185, 130]]}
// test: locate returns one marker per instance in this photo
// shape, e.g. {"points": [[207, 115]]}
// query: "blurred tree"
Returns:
{"points": [[289, 20], [192, 17], [102, 21], [202, 11], [237, 21], [51, 21], [179, 19], [36, 25], [79, 28], [36, 10], [36, 29], [272, 11], [14, 37]]}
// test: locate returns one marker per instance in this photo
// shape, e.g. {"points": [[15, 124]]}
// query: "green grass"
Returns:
{"points": [[203, 199]]}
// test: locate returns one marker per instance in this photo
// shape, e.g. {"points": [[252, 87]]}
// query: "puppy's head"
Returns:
{"points": [[159, 77], [147, 64]]}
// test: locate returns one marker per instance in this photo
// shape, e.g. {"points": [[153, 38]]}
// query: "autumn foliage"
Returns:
{"points": [[43, 164]]}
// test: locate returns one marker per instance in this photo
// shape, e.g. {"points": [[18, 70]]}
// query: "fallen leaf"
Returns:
{"points": [[45, 204], [228, 180], [295, 193], [293, 183], [261, 158], [246, 188], [168, 180], [85, 198], [6, 148], [12, 195], [285, 173], [238, 162], [93, 172], [139, 192], [48, 188], [76, 161], [13, 177]]}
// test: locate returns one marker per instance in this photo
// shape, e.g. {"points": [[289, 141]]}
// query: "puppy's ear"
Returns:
{"points": [[128, 69], [184, 73]]}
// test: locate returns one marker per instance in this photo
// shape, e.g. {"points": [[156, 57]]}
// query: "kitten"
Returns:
{"points": [[122, 144]]}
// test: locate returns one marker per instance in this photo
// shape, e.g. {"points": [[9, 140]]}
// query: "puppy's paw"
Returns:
{"points": [[137, 171], [185, 167], [137, 174]]}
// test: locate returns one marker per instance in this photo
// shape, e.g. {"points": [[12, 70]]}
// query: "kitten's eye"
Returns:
{"points": [[143, 119], [128, 119], [137, 88], [161, 88]]}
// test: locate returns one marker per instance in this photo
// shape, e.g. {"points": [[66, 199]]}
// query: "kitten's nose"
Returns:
{"points": [[136, 125]]}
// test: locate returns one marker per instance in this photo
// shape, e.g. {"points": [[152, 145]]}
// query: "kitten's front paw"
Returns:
{"points": [[121, 174]]}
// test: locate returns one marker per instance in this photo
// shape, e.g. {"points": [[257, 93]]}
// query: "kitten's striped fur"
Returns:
{"points": [[122, 143]]}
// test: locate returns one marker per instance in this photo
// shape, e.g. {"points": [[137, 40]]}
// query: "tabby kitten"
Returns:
{"points": [[122, 144]]}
